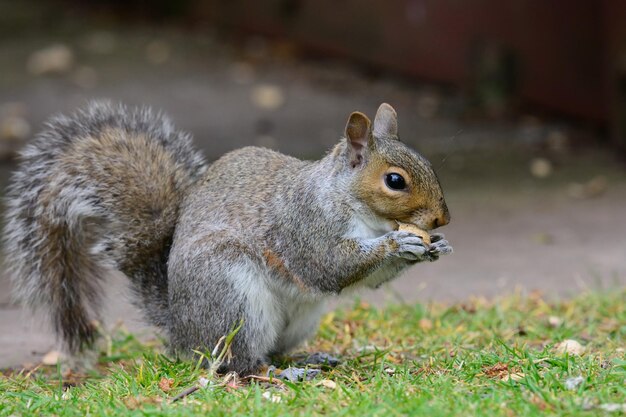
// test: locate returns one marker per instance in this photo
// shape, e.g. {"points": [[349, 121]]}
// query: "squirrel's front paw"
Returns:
{"points": [[439, 246], [408, 246]]}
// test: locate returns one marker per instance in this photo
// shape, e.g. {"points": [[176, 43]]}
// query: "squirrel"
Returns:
{"points": [[256, 237]]}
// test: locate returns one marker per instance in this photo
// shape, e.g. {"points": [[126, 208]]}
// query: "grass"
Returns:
{"points": [[477, 358]]}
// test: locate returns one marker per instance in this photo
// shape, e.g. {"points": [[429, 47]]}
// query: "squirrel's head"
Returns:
{"points": [[393, 180]]}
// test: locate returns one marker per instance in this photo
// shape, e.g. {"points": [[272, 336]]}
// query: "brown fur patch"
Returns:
{"points": [[274, 262], [385, 202]]}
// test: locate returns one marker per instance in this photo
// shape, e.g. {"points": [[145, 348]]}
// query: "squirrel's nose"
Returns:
{"points": [[441, 220]]}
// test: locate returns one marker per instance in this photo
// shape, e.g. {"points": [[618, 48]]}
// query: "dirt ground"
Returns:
{"points": [[560, 230]]}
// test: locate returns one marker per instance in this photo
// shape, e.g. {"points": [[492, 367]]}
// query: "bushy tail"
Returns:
{"points": [[96, 192]]}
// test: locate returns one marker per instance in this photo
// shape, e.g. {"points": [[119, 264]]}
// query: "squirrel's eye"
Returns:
{"points": [[395, 181]]}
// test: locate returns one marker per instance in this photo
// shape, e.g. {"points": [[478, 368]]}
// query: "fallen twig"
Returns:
{"points": [[185, 393]]}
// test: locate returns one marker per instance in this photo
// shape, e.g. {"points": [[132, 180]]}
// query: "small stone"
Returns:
{"points": [[55, 59], [540, 168], [613, 407], [554, 321], [272, 397], [292, 374], [203, 382], [570, 346], [573, 383], [368, 348]]}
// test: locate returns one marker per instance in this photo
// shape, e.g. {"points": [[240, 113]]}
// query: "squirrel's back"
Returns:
{"points": [[95, 192]]}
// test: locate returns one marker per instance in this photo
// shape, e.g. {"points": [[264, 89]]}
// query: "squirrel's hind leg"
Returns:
{"points": [[211, 291]]}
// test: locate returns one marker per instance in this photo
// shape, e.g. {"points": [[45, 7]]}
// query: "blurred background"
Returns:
{"points": [[520, 106]]}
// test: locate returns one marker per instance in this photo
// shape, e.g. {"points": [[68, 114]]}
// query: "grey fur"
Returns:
{"points": [[258, 235], [58, 251]]}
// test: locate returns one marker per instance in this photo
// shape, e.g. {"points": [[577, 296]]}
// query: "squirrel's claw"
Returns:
{"points": [[439, 247], [436, 237]]}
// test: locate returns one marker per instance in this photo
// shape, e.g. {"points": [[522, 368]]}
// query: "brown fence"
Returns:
{"points": [[566, 56]]}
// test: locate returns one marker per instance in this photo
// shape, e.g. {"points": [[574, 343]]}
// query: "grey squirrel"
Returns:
{"points": [[256, 236]]}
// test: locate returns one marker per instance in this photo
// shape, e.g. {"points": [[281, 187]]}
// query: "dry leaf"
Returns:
{"points": [[232, 385], [609, 325], [426, 324], [499, 369], [51, 358], [327, 383], [540, 168], [231, 381], [592, 188], [166, 384], [267, 97], [516, 376], [53, 59], [132, 402], [14, 128], [539, 402], [266, 379]]}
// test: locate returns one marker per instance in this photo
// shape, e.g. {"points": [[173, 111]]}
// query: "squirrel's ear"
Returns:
{"points": [[358, 135], [386, 122]]}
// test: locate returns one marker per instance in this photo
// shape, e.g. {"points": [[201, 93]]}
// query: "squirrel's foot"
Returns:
{"points": [[439, 246], [293, 374], [321, 359]]}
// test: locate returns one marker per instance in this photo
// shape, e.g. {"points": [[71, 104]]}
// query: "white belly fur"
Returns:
{"points": [[283, 319], [282, 316]]}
